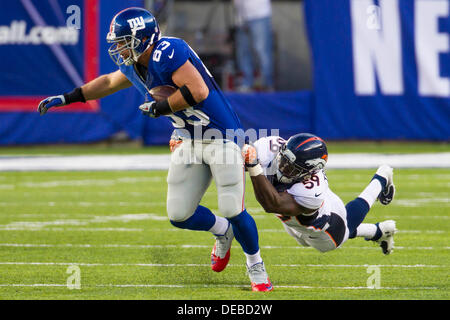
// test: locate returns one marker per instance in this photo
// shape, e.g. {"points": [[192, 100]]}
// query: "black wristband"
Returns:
{"points": [[162, 108], [75, 96], [187, 95]]}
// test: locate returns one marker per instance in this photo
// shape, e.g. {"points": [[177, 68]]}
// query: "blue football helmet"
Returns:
{"points": [[132, 30], [301, 156]]}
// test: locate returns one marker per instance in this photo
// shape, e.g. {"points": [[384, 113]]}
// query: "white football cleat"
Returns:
{"points": [[386, 241], [258, 277], [387, 194], [220, 254]]}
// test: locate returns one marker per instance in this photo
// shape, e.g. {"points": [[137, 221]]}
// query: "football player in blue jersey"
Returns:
{"points": [[204, 122]]}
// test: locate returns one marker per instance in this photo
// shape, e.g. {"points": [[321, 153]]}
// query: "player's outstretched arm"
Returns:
{"points": [[268, 197], [105, 85], [276, 202], [93, 90]]}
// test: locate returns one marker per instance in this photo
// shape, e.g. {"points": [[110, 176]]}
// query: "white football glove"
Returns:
{"points": [[50, 102], [148, 109]]}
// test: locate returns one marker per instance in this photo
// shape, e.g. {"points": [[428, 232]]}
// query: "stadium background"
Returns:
{"points": [[330, 80]]}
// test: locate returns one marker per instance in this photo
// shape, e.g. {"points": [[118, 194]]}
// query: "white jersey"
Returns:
{"points": [[324, 229], [247, 10]]}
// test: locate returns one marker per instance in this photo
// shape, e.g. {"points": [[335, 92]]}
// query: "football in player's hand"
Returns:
{"points": [[161, 93]]}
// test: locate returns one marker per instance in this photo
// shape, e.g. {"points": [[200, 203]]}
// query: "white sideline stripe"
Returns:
{"points": [[161, 162], [83, 222], [81, 163], [208, 265], [210, 286], [185, 246]]}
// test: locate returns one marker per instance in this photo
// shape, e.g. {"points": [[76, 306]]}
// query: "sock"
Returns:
{"points": [[220, 226], [371, 192], [253, 259], [382, 180], [369, 231], [356, 212], [245, 232], [358, 208], [202, 220], [378, 234]]}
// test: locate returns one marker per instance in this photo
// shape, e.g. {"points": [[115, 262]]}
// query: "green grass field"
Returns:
{"points": [[136, 148], [113, 226]]}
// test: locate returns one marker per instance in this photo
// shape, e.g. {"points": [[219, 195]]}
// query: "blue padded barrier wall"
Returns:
{"points": [[381, 71], [381, 68]]}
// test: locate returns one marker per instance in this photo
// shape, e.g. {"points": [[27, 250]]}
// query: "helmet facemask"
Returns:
{"points": [[288, 171], [121, 44]]}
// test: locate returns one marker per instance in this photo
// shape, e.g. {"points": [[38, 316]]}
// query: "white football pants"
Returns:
{"points": [[193, 164]]}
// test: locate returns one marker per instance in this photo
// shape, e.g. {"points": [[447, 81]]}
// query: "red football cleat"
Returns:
{"points": [[262, 287], [217, 263], [222, 249]]}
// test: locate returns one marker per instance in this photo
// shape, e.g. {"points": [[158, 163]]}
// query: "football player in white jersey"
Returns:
{"points": [[289, 180]]}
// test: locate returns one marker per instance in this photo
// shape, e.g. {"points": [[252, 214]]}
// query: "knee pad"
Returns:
{"points": [[177, 210], [230, 190], [230, 205]]}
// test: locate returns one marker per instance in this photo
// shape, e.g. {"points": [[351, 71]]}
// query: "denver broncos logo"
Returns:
{"points": [[318, 163]]}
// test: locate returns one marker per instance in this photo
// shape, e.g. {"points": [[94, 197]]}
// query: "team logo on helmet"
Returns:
{"points": [[317, 163], [136, 24]]}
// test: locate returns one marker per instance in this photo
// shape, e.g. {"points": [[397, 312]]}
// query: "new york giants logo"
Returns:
{"points": [[136, 24]]}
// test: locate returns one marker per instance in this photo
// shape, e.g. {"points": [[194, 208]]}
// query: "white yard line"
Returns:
{"points": [[399, 231], [162, 215], [176, 265], [124, 218], [56, 285], [186, 246], [30, 227], [161, 162], [437, 202]]}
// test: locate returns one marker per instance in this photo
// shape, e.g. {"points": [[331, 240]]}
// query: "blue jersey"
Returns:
{"points": [[215, 112]]}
